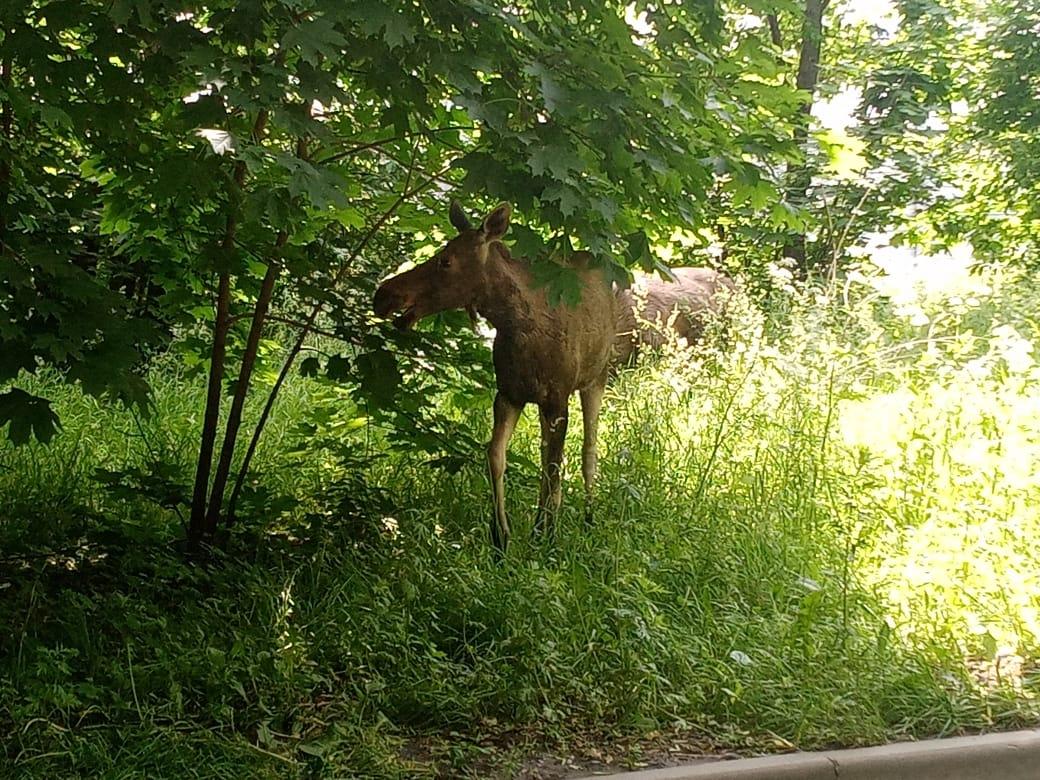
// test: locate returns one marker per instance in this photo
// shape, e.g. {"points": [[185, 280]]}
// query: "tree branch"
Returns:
{"points": [[352, 150], [312, 328], [308, 326]]}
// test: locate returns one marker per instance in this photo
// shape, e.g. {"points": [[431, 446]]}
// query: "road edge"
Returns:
{"points": [[1013, 755]]}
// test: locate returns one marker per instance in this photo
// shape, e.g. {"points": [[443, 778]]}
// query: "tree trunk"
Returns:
{"points": [[305, 331], [272, 396], [197, 531], [234, 422], [198, 527], [6, 129], [808, 75], [774, 30]]}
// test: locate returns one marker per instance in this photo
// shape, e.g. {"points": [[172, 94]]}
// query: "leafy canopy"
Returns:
{"points": [[150, 146]]}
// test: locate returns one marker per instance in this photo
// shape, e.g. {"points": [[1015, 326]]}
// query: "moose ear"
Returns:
{"points": [[497, 222], [458, 217]]}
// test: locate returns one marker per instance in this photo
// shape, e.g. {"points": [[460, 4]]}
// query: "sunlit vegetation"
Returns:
{"points": [[820, 534], [244, 522]]}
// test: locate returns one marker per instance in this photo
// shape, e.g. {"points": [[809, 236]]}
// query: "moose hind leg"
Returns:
{"points": [[554, 432], [591, 401], [506, 416]]}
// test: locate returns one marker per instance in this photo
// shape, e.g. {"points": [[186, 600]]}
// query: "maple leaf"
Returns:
{"points": [[27, 415]]}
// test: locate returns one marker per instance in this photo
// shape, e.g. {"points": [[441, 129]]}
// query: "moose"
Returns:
{"points": [[652, 305], [542, 353]]}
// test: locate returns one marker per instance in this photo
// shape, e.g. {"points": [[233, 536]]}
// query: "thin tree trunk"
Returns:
{"points": [[774, 29], [196, 525], [812, 40], [808, 76], [245, 373], [198, 529], [243, 471], [6, 128]]}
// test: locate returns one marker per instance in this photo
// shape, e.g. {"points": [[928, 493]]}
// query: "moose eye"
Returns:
{"points": [[446, 261]]}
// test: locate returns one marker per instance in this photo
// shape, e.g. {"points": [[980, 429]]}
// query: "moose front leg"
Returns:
{"points": [[506, 416], [554, 432]]}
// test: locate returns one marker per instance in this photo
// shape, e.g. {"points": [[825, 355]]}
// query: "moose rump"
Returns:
{"points": [[653, 308]]}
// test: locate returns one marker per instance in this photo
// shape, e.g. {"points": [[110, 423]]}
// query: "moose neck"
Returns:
{"points": [[502, 300]]}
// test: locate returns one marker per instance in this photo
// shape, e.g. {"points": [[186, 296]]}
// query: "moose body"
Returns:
{"points": [[542, 353], [652, 306]]}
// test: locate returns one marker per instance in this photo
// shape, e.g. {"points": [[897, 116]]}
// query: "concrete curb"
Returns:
{"points": [[1013, 755]]}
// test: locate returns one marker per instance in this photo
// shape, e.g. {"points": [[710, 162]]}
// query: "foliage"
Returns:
{"points": [[226, 155], [936, 150], [804, 538], [221, 140], [820, 534]]}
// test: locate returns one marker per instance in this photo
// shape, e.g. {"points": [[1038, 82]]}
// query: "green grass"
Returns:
{"points": [[824, 536]]}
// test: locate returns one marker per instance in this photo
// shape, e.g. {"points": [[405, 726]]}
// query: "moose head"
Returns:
{"points": [[454, 278]]}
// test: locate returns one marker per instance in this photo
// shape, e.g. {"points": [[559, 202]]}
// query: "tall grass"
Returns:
{"points": [[820, 535]]}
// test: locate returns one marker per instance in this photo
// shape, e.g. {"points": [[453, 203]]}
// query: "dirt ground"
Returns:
{"points": [[526, 757]]}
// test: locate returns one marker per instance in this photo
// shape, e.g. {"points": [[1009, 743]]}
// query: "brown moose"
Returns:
{"points": [[652, 306], [542, 353]]}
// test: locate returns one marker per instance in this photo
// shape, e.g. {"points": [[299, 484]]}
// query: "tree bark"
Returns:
{"points": [[287, 365], [197, 530], [808, 75], [812, 40], [774, 30], [245, 374], [6, 129]]}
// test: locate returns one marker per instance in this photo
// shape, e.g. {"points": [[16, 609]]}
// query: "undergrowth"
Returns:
{"points": [[820, 535]]}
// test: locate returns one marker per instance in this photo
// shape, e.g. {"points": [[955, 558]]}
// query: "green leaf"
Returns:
{"points": [[617, 274], [845, 153], [349, 217], [568, 198], [315, 39], [119, 11], [27, 415], [396, 27], [379, 376], [562, 282], [556, 97], [55, 117], [638, 250], [216, 257], [557, 160], [338, 368], [320, 186], [526, 242]]}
